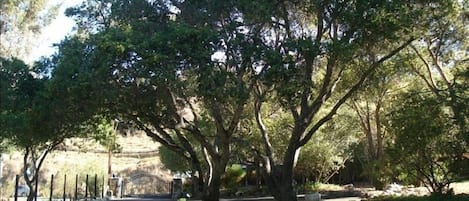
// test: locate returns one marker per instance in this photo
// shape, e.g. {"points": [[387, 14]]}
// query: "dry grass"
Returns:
{"points": [[142, 173]]}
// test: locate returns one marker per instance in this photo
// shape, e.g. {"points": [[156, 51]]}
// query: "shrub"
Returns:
{"points": [[233, 176]]}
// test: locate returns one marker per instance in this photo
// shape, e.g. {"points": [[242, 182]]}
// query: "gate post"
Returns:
{"points": [[76, 187], [86, 188], [65, 184], [51, 187], [16, 187], [95, 186]]}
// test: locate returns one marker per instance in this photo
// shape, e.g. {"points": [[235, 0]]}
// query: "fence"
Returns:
{"points": [[88, 187]]}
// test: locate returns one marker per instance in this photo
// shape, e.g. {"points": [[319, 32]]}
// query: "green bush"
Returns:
{"points": [[173, 161], [233, 176], [426, 145]]}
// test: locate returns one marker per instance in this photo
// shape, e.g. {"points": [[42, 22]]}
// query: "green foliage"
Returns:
{"points": [[425, 147], [161, 52], [280, 126], [233, 176], [33, 115], [106, 135], [461, 102], [32, 112], [172, 160], [21, 108], [320, 159], [154, 63], [329, 149]]}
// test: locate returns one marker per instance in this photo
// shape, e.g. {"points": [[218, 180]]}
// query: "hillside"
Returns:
{"points": [[138, 164]]}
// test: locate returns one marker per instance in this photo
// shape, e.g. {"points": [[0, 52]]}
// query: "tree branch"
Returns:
{"points": [[262, 128], [165, 141], [431, 81], [352, 90]]}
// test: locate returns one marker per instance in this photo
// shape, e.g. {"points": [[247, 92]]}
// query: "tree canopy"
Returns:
{"points": [[34, 117], [184, 71], [200, 76]]}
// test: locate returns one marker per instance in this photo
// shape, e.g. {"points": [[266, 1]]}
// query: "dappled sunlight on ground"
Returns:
{"points": [[460, 187]]}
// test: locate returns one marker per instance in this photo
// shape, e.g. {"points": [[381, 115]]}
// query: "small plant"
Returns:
{"points": [[233, 176]]}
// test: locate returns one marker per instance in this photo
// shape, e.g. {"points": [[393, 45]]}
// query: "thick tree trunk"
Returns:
{"points": [[285, 192], [212, 192], [197, 186], [281, 177], [280, 186]]}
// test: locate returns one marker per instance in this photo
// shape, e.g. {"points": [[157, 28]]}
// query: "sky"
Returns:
{"points": [[54, 32]]}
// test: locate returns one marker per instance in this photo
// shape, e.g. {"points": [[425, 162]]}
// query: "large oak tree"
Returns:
{"points": [[179, 70], [184, 71]]}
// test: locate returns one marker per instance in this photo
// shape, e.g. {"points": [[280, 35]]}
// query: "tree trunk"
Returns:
{"points": [[285, 193], [379, 133], [212, 192], [280, 186], [32, 188], [36, 164], [281, 177], [197, 186]]}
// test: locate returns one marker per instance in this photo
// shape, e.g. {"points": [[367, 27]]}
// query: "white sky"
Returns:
{"points": [[54, 32]]}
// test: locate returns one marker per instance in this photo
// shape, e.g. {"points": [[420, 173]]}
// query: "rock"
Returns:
{"points": [[313, 197], [349, 187], [394, 188]]}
